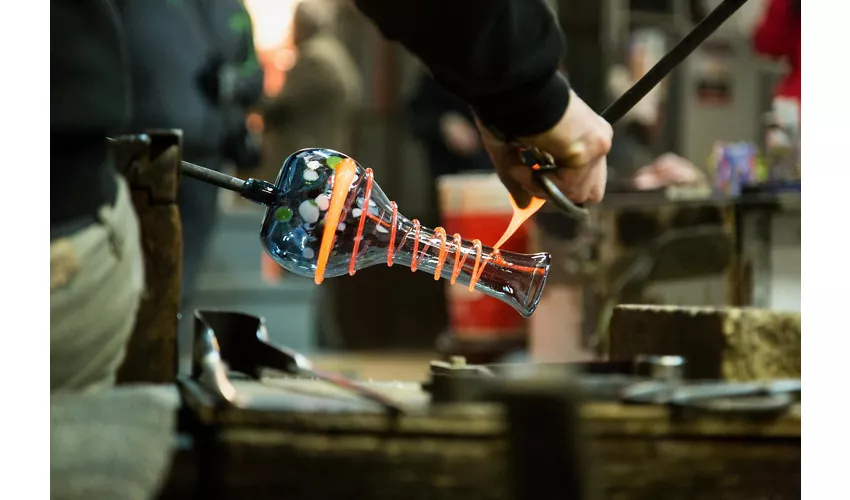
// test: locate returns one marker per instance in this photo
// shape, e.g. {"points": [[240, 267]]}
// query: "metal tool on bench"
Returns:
{"points": [[645, 380], [544, 163], [458, 381], [229, 341], [750, 399]]}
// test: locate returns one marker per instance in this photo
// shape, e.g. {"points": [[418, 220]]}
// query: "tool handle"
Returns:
{"points": [[212, 177], [258, 191]]}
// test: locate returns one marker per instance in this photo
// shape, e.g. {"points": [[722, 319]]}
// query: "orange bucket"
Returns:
{"points": [[477, 206]]}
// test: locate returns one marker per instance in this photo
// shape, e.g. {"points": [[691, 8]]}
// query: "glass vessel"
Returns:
{"points": [[329, 217]]}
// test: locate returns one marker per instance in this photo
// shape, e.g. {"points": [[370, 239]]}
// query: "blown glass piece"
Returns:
{"points": [[331, 218]]}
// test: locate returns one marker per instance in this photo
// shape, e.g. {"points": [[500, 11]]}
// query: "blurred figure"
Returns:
{"points": [[778, 36], [174, 63], [445, 126], [317, 105], [234, 78]]}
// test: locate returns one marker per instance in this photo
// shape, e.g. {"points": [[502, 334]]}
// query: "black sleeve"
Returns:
{"points": [[500, 56]]}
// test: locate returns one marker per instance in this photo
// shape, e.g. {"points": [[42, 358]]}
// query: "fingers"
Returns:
{"points": [[512, 171], [587, 151], [582, 152], [597, 191], [580, 185], [584, 185], [586, 169]]}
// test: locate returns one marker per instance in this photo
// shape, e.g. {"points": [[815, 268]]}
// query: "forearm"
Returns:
{"points": [[500, 56]]}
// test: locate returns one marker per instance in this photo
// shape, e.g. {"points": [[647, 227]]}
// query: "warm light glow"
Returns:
{"points": [[285, 59], [272, 20], [254, 122]]}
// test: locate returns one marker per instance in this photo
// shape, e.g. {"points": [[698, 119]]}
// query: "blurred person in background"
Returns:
{"points": [[445, 126], [502, 59], [174, 59], [234, 78], [321, 94]]}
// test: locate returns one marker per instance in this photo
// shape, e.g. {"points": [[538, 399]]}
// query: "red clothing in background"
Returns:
{"points": [[778, 36]]}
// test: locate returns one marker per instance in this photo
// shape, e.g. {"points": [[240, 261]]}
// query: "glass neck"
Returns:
{"points": [[514, 278]]}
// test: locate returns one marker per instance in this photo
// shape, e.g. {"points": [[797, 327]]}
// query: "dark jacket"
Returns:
{"points": [[501, 56], [236, 62], [89, 99], [230, 27], [170, 47]]}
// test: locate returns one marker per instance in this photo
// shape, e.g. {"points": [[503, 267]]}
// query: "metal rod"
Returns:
{"points": [[212, 177]]}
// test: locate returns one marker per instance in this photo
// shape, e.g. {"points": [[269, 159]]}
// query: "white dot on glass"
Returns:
{"points": [[313, 165], [382, 229], [311, 175], [341, 226], [308, 253], [356, 212], [323, 201], [308, 211]]}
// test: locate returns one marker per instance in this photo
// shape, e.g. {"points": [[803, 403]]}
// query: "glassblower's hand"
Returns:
{"points": [[579, 142]]}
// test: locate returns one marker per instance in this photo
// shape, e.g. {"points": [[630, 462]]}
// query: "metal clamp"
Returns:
{"points": [[544, 173]]}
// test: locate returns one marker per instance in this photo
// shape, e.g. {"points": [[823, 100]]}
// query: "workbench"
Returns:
{"points": [[310, 432]]}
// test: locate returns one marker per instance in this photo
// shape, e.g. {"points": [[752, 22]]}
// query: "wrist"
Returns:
{"points": [[529, 112]]}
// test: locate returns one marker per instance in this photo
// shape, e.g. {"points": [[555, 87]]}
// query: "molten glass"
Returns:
{"points": [[331, 218]]}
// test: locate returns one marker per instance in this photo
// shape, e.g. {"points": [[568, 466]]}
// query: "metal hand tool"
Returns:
{"points": [[228, 341], [744, 398]]}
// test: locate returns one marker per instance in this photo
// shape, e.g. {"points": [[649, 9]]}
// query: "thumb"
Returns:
{"points": [[505, 158]]}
